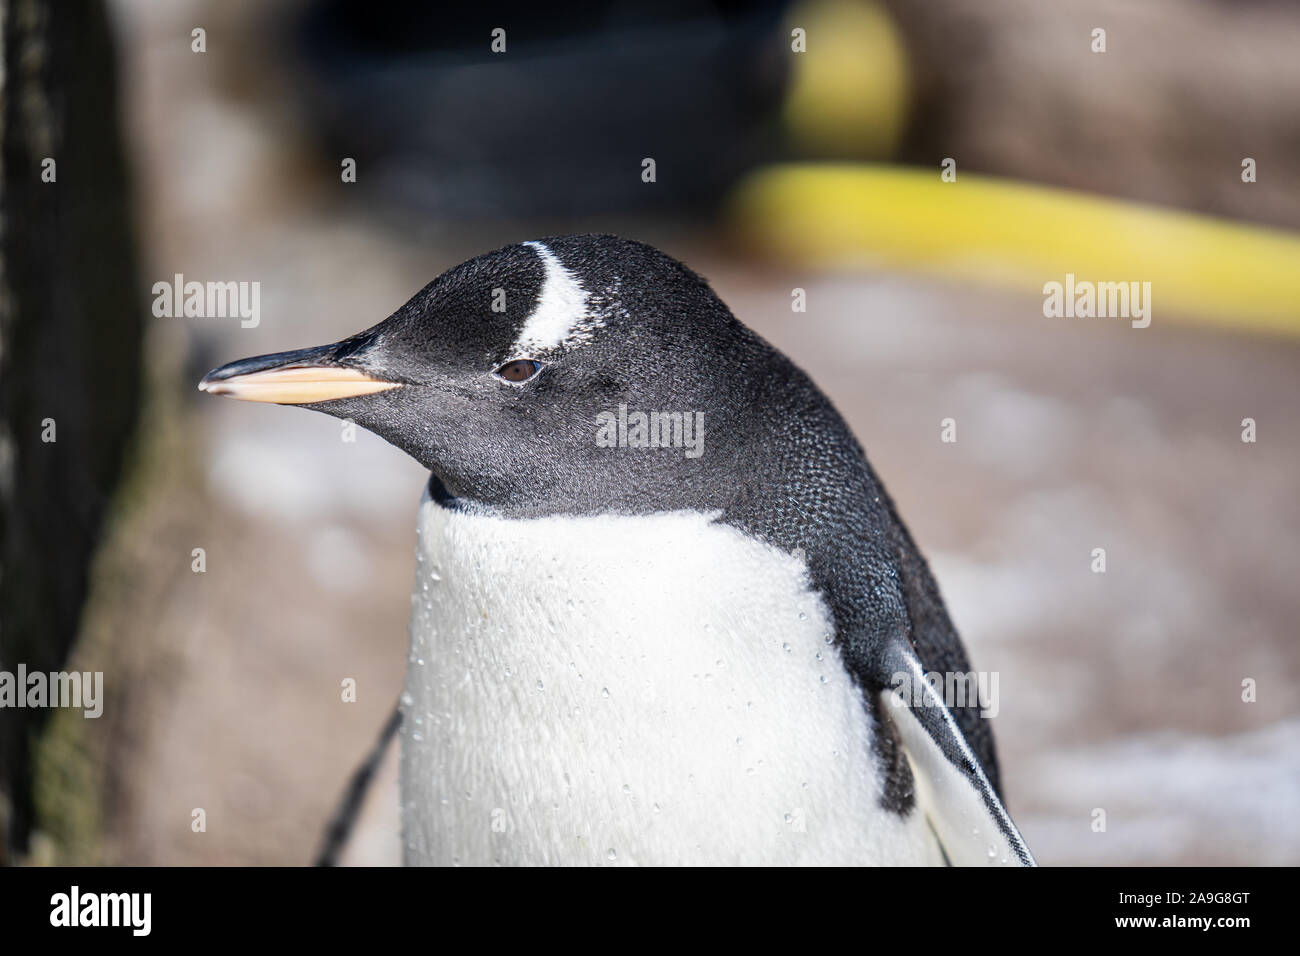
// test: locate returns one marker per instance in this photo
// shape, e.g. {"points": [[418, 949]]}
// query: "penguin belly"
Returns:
{"points": [[653, 690]]}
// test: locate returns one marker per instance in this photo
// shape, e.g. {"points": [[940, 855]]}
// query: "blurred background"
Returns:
{"points": [[795, 146]]}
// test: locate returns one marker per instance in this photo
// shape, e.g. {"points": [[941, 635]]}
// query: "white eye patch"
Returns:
{"points": [[562, 318]]}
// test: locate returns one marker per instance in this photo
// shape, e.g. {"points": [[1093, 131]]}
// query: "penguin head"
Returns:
{"points": [[567, 374]]}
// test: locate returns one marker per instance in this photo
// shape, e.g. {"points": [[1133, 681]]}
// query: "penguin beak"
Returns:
{"points": [[303, 377]]}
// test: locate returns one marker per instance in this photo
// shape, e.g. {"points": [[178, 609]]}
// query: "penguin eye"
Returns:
{"points": [[520, 370]]}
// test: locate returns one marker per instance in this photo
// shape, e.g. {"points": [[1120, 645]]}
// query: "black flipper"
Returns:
{"points": [[354, 796], [952, 789]]}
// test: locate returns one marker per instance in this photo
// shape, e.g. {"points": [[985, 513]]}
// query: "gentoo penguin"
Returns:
{"points": [[664, 610]]}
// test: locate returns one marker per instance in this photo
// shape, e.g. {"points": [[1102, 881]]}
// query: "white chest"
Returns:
{"points": [[653, 690]]}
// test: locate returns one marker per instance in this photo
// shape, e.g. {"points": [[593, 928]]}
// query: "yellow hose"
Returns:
{"points": [[1023, 236]]}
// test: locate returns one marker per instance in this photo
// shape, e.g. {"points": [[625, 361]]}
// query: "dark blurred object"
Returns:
{"points": [[70, 347], [439, 122], [1184, 92]]}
